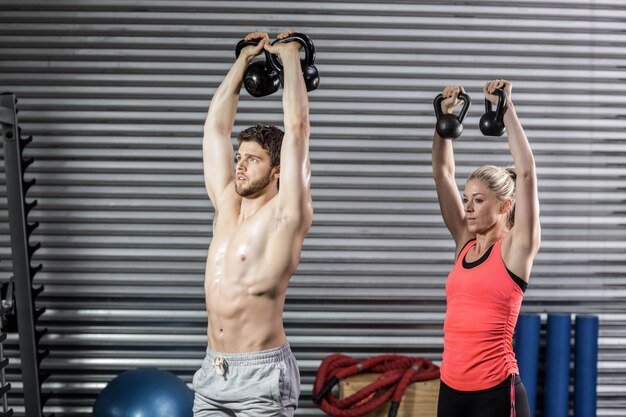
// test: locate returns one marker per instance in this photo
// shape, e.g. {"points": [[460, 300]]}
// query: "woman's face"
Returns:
{"points": [[482, 208]]}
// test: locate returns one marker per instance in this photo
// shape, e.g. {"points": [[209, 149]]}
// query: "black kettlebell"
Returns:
{"points": [[492, 122], [450, 126], [309, 71], [261, 77]]}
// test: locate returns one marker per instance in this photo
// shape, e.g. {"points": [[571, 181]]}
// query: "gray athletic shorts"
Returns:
{"points": [[255, 384]]}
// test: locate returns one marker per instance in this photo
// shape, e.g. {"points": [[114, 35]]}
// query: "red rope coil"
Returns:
{"points": [[397, 372]]}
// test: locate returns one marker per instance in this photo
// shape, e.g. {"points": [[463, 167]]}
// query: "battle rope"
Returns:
{"points": [[397, 372]]}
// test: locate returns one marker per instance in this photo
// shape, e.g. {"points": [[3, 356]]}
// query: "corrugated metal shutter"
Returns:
{"points": [[115, 93]]}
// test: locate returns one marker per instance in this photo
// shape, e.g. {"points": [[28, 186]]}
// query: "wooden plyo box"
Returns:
{"points": [[419, 400]]}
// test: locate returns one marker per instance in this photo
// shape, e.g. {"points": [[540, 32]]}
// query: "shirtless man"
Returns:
{"points": [[258, 231]]}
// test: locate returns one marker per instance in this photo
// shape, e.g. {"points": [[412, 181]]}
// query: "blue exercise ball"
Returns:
{"points": [[145, 392]]}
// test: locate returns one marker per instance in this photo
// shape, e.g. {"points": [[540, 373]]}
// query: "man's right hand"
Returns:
{"points": [[451, 98], [251, 51]]}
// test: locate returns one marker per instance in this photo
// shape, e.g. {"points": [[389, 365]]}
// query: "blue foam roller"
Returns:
{"points": [[526, 346], [557, 365], [585, 366]]}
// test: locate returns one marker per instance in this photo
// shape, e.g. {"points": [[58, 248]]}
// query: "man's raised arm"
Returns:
{"points": [[295, 169], [217, 149]]}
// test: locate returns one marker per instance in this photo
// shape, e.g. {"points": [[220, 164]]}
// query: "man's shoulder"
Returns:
{"points": [[228, 198]]}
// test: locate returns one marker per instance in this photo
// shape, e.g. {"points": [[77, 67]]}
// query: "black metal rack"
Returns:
{"points": [[22, 251]]}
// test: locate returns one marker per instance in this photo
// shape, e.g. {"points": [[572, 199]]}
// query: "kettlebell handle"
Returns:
{"points": [[302, 39], [462, 96]]}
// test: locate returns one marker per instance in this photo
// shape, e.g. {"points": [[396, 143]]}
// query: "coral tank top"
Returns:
{"points": [[483, 300]]}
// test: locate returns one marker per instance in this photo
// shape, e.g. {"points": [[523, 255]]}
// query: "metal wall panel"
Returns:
{"points": [[115, 94]]}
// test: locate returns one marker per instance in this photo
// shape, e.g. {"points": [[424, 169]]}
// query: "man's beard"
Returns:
{"points": [[254, 187]]}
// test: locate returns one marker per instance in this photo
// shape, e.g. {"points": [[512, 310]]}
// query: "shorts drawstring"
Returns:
{"points": [[220, 365]]}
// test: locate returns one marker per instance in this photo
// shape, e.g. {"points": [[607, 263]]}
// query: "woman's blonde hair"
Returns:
{"points": [[501, 181]]}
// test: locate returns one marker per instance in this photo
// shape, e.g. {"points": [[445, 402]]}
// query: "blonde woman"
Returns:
{"points": [[495, 227]]}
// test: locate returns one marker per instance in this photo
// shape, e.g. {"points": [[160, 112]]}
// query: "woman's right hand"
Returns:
{"points": [[451, 98]]}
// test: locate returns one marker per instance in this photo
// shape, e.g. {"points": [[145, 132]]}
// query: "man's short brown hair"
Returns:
{"points": [[269, 137]]}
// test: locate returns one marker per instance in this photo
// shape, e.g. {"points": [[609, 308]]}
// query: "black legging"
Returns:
{"points": [[491, 402]]}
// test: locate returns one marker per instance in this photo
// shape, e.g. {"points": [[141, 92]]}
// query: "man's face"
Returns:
{"points": [[253, 172]]}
